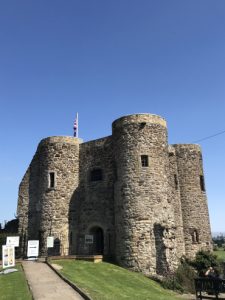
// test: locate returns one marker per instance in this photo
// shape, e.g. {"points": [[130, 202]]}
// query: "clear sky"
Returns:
{"points": [[106, 59]]}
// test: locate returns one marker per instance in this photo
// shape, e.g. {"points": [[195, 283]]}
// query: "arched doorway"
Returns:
{"points": [[98, 240]]}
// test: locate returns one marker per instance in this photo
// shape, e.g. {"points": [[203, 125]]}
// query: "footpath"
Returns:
{"points": [[45, 284]]}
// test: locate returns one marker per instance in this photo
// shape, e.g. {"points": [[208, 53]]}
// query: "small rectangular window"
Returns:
{"points": [[51, 180], [202, 183], [144, 160], [195, 237], [175, 181]]}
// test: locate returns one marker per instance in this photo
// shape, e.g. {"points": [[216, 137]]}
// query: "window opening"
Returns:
{"points": [[96, 175], [144, 160], [175, 181], [51, 179], [202, 183], [195, 236]]}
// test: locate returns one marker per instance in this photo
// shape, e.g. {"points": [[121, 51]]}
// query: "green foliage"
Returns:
{"points": [[219, 240], [185, 276], [215, 247], [12, 226], [182, 280], [2, 242], [172, 283], [204, 260]]}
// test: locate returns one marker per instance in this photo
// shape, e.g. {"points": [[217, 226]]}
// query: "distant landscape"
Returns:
{"points": [[218, 233]]}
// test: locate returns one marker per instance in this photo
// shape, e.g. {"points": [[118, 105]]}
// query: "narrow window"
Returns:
{"points": [[144, 160], [195, 237], [51, 180], [175, 181], [96, 175], [202, 183], [71, 238]]}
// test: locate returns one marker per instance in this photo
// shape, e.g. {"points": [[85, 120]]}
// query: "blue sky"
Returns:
{"points": [[106, 59]]}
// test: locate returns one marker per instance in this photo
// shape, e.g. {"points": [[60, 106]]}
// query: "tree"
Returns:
{"points": [[204, 260], [12, 226], [219, 240]]}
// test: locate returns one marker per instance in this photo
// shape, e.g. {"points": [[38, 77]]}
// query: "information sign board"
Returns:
{"points": [[33, 248], [8, 256], [50, 241], [88, 239], [13, 241]]}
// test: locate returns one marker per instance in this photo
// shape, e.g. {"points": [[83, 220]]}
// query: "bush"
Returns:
{"points": [[2, 242], [171, 283], [219, 240], [204, 260], [215, 247], [182, 280]]}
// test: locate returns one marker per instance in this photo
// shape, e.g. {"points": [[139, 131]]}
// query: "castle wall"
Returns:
{"points": [[174, 196], [144, 218], [195, 215], [58, 155], [29, 205], [23, 201], [93, 208], [22, 209]]}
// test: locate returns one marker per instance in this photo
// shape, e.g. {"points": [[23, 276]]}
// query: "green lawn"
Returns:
{"points": [[104, 281], [220, 254], [13, 286]]}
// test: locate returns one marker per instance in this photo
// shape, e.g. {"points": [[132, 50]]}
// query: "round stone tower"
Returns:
{"points": [[58, 179], [197, 233], [144, 218]]}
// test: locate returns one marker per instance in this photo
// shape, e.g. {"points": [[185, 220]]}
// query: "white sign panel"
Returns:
{"points": [[32, 248], [13, 241], [50, 241], [8, 256], [88, 239]]}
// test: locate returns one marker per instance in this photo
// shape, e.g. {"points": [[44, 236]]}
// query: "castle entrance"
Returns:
{"points": [[98, 240]]}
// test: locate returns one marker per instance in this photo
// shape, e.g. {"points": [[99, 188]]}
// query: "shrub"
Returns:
{"points": [[204, 260], [2, 242], [182, 280], [215, 247], [171, 283]]}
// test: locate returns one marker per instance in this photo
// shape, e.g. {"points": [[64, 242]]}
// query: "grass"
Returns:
{"points": [[220, 254], [104, 281], [13, 286]]}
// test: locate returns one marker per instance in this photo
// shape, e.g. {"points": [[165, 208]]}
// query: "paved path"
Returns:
{"points": [[46, 285]]}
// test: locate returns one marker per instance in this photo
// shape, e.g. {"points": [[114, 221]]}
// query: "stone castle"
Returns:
{"points": [[130, 197]]}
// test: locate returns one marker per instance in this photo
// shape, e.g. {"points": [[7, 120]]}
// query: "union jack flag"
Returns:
{"points": [[75, 127]]}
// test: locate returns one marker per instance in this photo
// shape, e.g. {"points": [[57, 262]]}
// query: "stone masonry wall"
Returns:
{"points": [[174, 196], [144, 218], [197, 231], [58, 155], [94, 205], [22, 209]]}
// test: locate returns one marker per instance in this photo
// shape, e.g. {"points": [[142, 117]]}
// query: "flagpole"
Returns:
{"points": [[77, 125]]}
